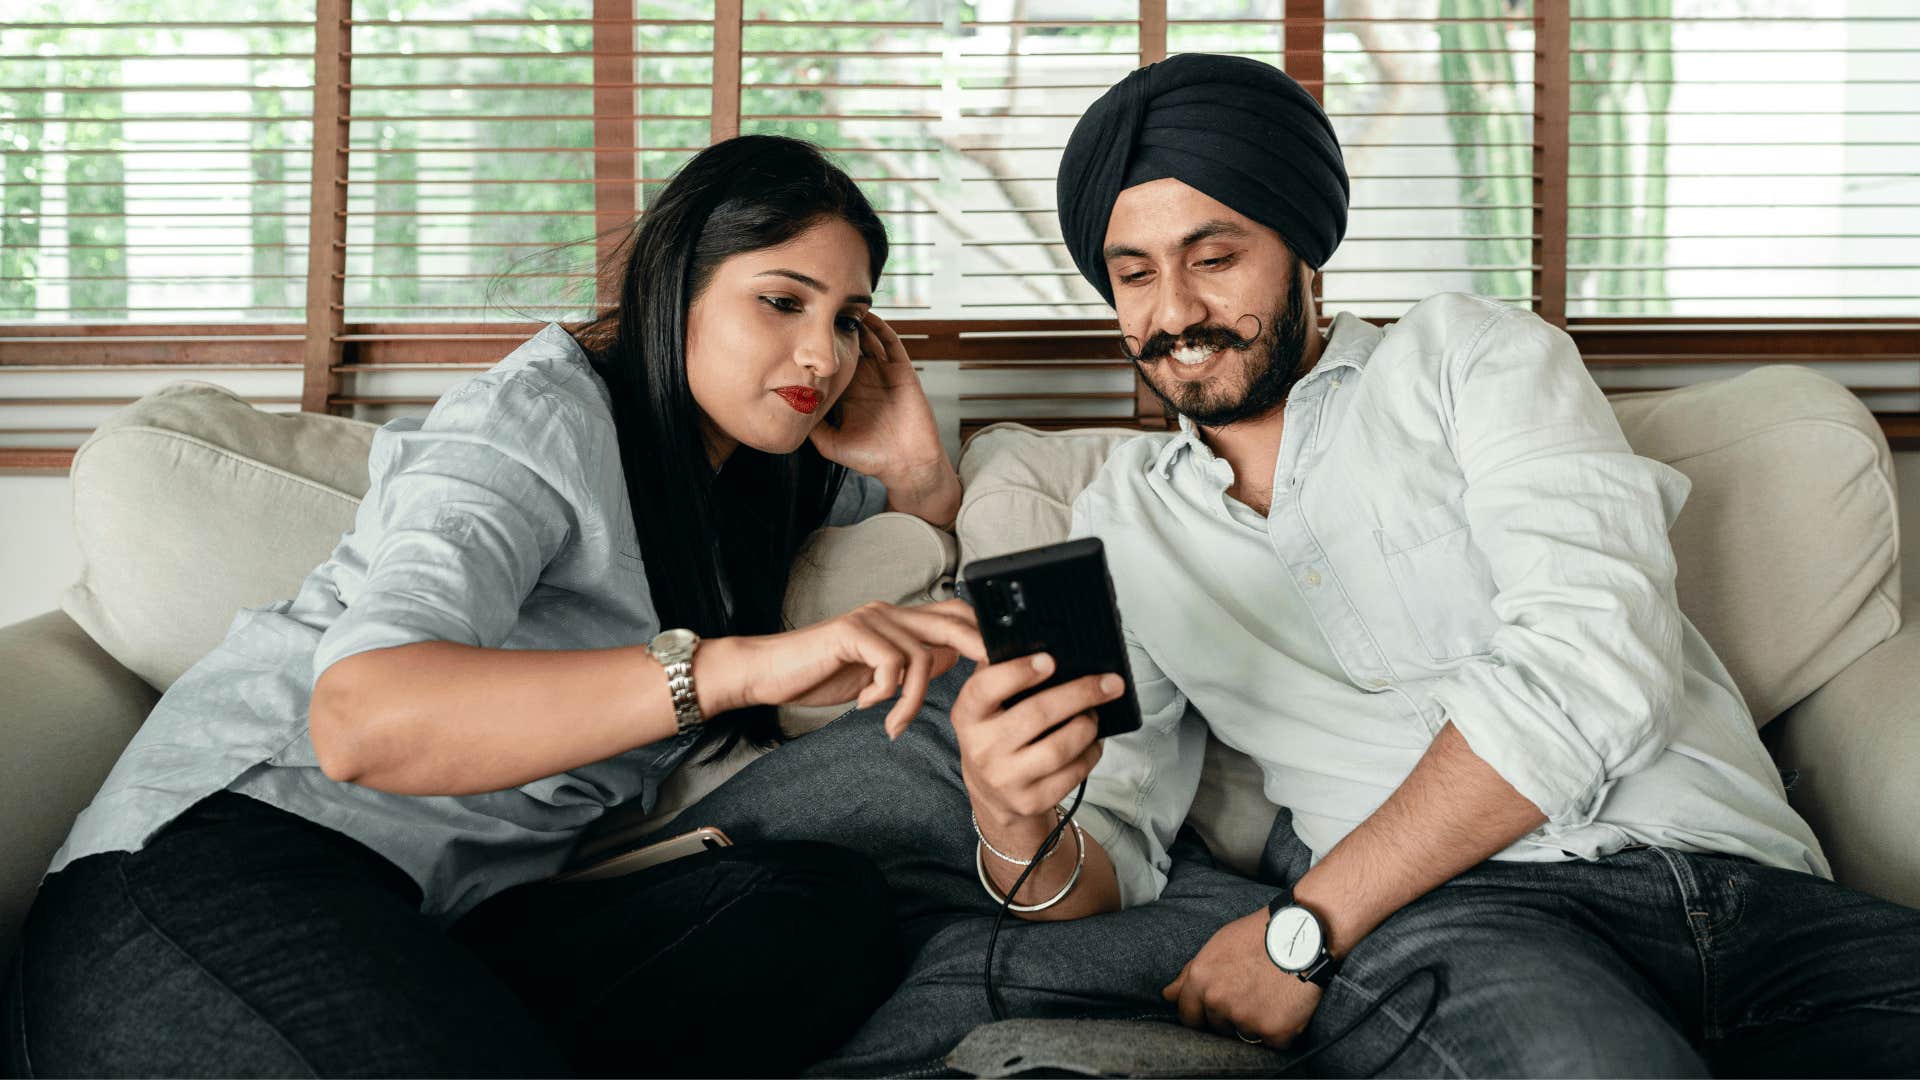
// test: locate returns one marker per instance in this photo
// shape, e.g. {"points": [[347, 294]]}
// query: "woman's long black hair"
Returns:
{"points": [[716, 547]]}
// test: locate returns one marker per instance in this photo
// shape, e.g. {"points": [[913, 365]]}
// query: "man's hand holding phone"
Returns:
{"points": [[1015, 767], [1019, 761], [1030, 723]]}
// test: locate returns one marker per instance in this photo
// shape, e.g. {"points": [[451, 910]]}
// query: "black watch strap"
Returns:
{"points": [[1321, 974]]}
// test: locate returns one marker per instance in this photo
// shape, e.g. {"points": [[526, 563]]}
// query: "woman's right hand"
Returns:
{"points": [[865, 656]]}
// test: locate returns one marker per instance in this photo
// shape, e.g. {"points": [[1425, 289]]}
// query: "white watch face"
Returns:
{"points": [[1293, 938], [676, 641]]}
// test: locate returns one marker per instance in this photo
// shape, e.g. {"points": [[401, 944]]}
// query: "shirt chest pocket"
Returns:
{"points": [[1442, 580]]}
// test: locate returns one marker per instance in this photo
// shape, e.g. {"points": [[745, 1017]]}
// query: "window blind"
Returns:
{"points": [[347, 204], [1758, 160], [1433, 103], [1744, 187], [154, 177], [1023, 72]]}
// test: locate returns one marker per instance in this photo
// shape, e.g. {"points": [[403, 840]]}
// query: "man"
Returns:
{"points": [[1418, 576]]}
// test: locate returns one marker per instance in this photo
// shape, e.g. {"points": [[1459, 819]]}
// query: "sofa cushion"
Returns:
{"points": [[896, 558], [191, 504], [1787, 547], [1018, 485]]}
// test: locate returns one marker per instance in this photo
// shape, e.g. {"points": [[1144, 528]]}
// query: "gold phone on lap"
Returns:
{"points": [[704, 838]]}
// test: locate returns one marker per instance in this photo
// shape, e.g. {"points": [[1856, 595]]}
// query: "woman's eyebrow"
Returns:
{"points": [[810, 283]]}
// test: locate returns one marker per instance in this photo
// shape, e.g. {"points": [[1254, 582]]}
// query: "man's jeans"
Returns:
{"points": [[1648, 963]]}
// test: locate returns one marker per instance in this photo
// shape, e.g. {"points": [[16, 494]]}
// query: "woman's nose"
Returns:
{"points": [[818, 358]]}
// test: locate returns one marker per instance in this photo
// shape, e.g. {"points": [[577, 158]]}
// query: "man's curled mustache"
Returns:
{"points": [[1199, 335]]}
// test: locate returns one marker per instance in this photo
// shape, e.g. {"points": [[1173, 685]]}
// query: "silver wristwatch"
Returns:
{"points": [[674, 650]]}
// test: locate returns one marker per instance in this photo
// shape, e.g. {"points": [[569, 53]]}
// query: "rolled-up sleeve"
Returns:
{"points": [[860, 497], [1578, 686], [1144, 784], [463, 516]]}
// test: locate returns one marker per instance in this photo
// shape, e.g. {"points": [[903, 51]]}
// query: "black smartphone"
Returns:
{"points": [[1057, 599]]}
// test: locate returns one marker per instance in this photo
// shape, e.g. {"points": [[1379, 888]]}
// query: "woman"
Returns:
{"points": [[325, 851]]}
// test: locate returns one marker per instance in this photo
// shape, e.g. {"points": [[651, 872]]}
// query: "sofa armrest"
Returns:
{"points": [[1856, 744], [67, 709]]}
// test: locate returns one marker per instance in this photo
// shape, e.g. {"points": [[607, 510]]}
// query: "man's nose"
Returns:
{"points": [[1177, 309]]}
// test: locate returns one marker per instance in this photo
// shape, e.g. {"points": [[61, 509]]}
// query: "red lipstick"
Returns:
{"points": [[804, 399]]}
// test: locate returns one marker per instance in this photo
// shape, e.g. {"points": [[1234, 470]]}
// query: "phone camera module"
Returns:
{"points": [[1010, 601]]}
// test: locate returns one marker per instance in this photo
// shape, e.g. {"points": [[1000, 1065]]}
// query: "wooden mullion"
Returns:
{"points": [[726, 70], [34, 461], [1901, 429], [1650, 345], [187, 353], [1552, 132], [327, 223], [1684, 339], [1305, 59], [1153, 31], [614, 139], [1148, 411], [1305, 45]]}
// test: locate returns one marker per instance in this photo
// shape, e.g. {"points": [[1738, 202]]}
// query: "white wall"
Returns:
{"points": [[39, 556]]}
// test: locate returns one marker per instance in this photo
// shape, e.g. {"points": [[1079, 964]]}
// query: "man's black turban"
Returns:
{"points": [[1236, 129]]}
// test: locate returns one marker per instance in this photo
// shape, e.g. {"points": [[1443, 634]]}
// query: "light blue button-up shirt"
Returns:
{"points": [[1459, 532], [501, 521]]}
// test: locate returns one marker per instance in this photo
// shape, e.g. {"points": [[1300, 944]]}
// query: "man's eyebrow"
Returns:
{"points": [[1204, 231], [810, 283], [1211, 229]]}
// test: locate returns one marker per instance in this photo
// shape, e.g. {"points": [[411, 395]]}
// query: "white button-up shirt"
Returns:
{"points": [[1459, 533]]}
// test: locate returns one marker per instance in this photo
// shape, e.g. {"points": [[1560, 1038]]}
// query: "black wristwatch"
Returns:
{"points": [[1297, 942]]}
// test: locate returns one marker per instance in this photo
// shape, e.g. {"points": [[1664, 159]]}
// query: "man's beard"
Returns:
{"points": [[1272, 364]]}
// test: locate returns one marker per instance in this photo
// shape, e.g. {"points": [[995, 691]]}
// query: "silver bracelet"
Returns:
{"points": [[986, 880], [1003, 856]]}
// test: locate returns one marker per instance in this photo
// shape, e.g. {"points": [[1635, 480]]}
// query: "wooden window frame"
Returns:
{"points": [[326, 346]]}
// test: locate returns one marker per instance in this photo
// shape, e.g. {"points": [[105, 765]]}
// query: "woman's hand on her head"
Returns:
{"points": [[887, 429], [866, 656]]}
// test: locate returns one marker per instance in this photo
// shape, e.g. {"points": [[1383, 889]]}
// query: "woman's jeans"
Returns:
{"points": [[246, 941]]}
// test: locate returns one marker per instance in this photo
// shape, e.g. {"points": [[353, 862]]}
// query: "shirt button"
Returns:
{"points": [[1377, 684], [1312, 579], [1336, 384]]}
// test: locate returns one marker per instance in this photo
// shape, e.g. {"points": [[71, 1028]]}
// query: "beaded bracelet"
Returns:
{"points": [[1006, 858]]}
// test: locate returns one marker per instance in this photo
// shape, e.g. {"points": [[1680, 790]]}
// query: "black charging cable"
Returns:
{"points": [[994, 1004], [1432, 971]]}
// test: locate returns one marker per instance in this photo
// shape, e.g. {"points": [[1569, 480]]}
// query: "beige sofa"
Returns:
{"points": [[189, 505]]}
